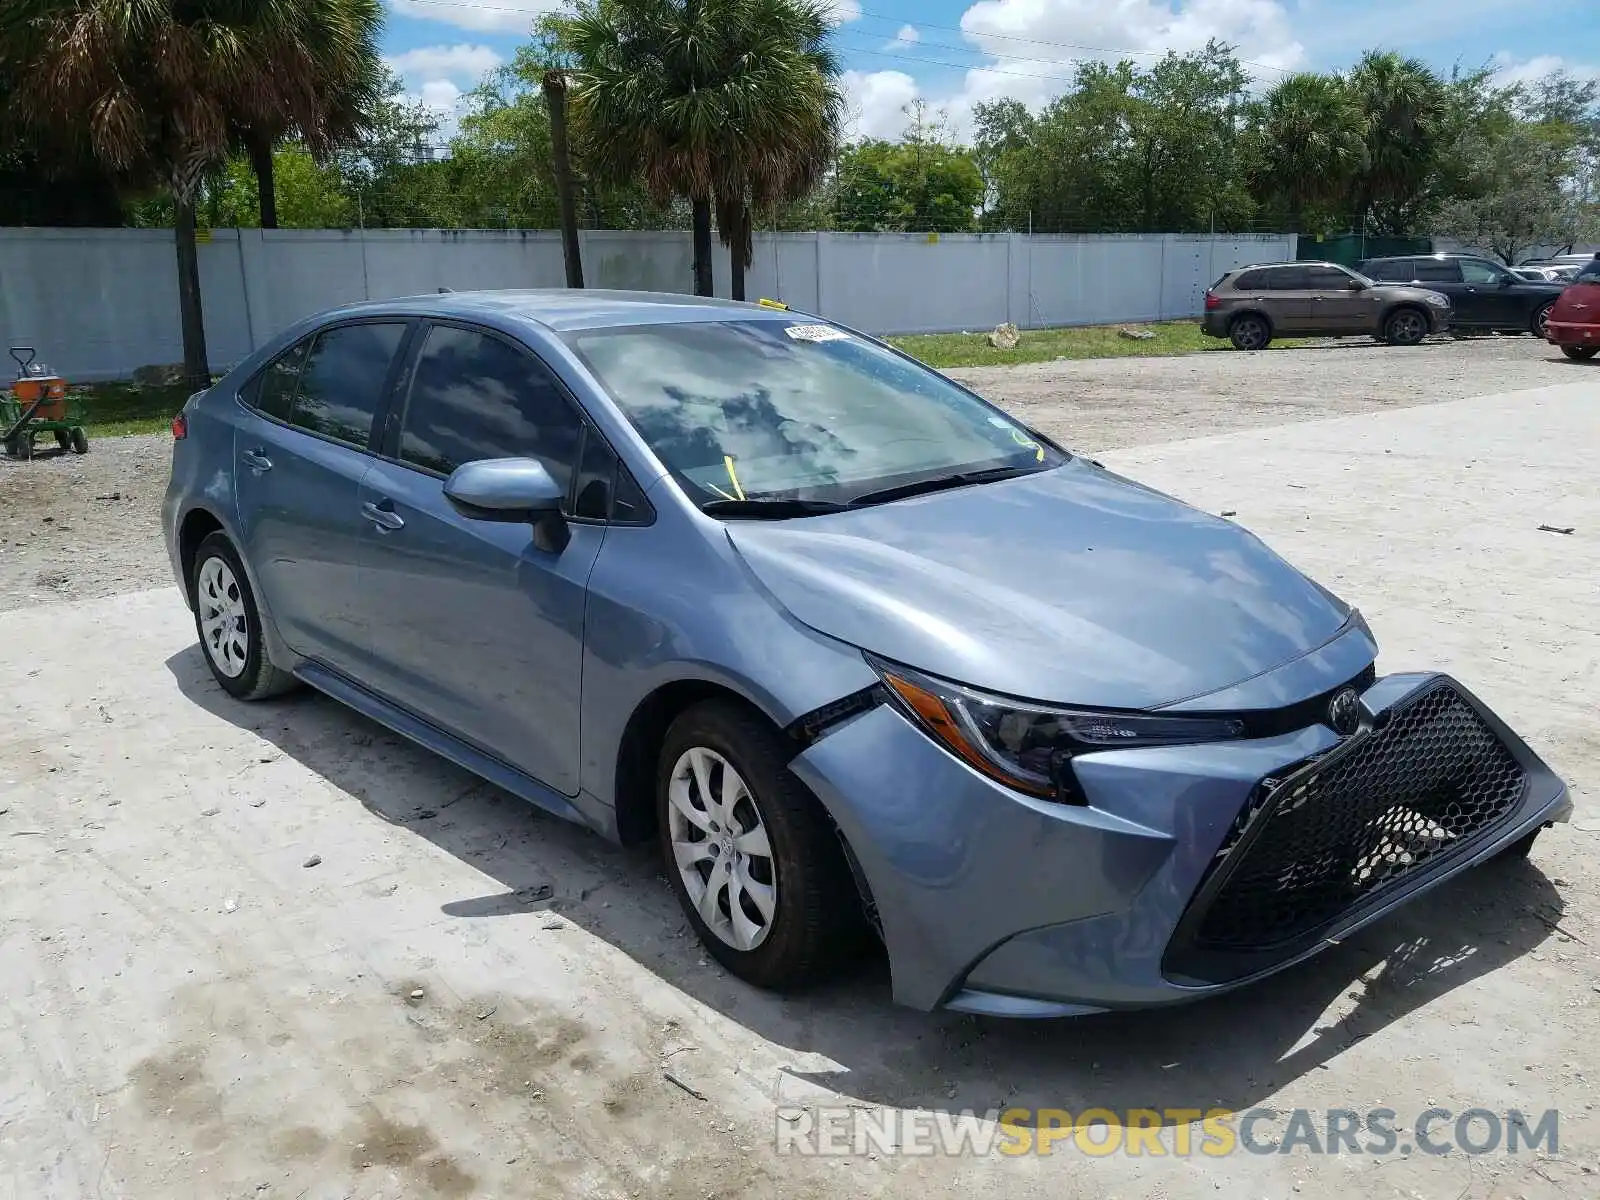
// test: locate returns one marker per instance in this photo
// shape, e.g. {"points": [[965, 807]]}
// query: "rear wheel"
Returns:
{"points": [[1541, 319], [1580, 353], [1405, 327], [752, 856], [63, 440], [80, 441], [229, 624], [1249, 332]]}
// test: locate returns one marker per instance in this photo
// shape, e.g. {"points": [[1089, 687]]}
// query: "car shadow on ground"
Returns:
{"points": [[1229, 1052]]}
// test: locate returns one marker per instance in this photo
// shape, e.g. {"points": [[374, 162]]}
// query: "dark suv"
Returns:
{"points": [[1483, 294], [1253, 305]]}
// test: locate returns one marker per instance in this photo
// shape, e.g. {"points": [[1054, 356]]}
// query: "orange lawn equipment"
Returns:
{"points": [[38, 404]]}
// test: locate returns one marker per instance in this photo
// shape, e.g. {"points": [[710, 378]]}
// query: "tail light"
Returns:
{"points": [[1212, 302], [180, 427]]}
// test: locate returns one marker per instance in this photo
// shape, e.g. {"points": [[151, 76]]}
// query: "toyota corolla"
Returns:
{"points": [[863, 653]]}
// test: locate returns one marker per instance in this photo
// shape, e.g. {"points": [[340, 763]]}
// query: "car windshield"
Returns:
{"points": [[773, 410], [1364, 280]]}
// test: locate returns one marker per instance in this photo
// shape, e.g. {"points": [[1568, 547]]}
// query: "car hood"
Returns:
{"points": [[1073, 585]]}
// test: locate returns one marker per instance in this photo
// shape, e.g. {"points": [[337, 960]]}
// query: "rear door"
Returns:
{"points": [[1470, 306], [1288, 298], [298, 457], [472, 625]]}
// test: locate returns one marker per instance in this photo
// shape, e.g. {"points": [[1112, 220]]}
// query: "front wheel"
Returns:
{"points": [[80, 441], [1405, 327], [1580, 353], [1249, 332], [1541, 319], [753, 858], [229, 624]]}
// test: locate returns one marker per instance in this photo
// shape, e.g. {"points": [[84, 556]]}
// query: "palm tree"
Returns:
{"points": [[726, 102], [328, 50], [1312, 143], [160, 87], [554, 85], [1403, 108]]}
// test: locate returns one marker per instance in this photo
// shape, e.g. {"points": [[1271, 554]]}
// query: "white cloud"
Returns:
{"points": [[845, 11], [460, 62], [442, 98], [908, 36], [494, 16], [877, 101], [1509, 70], [1035, 44]]}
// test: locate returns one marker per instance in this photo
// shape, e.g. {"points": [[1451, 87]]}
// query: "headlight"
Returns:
{"points": [[1030, 747], [1438, 301]]}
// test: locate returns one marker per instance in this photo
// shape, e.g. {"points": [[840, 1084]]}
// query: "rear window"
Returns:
{"points": [[341, 384], [1395, 270], [1591, 271], [1271, 279], [271, 390], [1437, 270]]}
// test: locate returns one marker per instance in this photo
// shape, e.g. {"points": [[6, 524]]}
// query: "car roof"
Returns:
{"points": [[1304, 262], [1438, 254], [565, 309]]}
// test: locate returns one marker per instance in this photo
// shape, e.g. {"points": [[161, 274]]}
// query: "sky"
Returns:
{"points": [[954, 54]]}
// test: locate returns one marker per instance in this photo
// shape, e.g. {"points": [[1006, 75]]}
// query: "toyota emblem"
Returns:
{"points": [[1344, 712]]}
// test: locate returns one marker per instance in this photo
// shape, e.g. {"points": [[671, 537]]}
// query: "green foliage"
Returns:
{"points": [[919, 183]]}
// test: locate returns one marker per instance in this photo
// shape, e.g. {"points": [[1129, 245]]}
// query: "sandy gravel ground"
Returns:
{"points": [[462, 997], [102, 538]]}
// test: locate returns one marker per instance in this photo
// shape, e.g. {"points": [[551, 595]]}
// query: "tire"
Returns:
{"points": [[815, 923], [1540, 319], [1249, 332], [1580, 353], [63, 440], [13, 447], [219, 590], [80, 441], [1405, 326]]}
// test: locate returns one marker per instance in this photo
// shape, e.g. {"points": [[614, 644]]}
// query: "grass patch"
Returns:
{"points": [[1047, 345], [118, 409]]}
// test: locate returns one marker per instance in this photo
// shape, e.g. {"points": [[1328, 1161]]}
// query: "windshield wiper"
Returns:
{"points": [[939, 483], [774, 509]]}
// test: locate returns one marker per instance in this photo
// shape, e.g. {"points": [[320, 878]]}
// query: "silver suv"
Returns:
{"points": [[1253, 305]]}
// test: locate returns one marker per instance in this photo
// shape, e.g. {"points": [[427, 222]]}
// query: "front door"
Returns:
{"points": [[1495, 293], [471, 625], [299, 456], [1337, 308]]}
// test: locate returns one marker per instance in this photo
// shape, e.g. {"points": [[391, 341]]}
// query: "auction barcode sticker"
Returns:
{"points": [[816, 333]]}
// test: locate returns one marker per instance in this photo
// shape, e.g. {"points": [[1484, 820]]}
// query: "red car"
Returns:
{"points": [[1574, 322]]}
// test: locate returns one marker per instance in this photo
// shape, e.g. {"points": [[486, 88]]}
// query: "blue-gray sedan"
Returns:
{"points": [[863, 652]]}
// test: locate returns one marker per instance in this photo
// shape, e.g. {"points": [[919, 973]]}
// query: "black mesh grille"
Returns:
{"points": [[1310, 846]]}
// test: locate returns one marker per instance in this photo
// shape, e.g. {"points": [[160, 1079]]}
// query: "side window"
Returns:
{"points": [[271, 391], [341, 384], [1475, 271], [591, 494], [474, 396], [1327, 279], [1286, 279], [1250, 281], [1391, 271], [1437, 270]]}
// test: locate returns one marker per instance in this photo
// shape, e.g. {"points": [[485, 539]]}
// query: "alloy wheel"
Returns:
{"points": [[1406, 328], [721, 848], [224, 626]]}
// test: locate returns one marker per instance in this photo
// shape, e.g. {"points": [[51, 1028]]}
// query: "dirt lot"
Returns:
{"points": [[191, 1008], [75, 528]]}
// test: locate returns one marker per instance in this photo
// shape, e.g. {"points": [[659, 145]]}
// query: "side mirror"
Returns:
{"points": [[1507, 280], [1355, 285], [503, 489]]}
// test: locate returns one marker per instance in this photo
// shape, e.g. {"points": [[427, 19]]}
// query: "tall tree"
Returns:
{"points": [[1312, 145], [326, 50], [555, 98], [1403, 107], [157, 87], [921, 182], [706, 99]]}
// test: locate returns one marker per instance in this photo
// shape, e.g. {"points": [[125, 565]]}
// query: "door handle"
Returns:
{"points": [[385, 519], [256, 460]]}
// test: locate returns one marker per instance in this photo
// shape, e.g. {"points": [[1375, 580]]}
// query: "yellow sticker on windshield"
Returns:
{"points": [[1021, 439], [816, 333]]}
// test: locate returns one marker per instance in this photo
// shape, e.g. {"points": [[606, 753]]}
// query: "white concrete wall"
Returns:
{"points": [[100, 302]]}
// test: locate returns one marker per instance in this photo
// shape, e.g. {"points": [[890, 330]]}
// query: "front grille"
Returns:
{"points": [[1309, 847]]}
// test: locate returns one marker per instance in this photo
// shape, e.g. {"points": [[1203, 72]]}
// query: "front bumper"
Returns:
{"points": [[994, 902]]}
